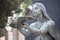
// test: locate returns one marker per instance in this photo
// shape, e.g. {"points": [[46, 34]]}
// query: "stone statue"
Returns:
{"points": [[43, 27], [40, 24]]}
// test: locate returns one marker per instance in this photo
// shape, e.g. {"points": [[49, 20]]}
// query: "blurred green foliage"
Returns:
{"points": [[2, 32], [6, 6]]}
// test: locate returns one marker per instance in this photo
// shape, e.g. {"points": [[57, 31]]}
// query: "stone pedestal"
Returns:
{"points": [[21, 36], [14, 34]]}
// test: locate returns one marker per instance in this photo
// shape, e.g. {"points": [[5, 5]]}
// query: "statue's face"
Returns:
{"points": [[36, 10]]}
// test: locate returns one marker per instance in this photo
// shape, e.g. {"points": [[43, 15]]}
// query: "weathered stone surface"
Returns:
{"points": [[14, 35]]}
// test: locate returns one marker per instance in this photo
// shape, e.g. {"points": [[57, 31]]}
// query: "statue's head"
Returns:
{"points": [[38, 9]]}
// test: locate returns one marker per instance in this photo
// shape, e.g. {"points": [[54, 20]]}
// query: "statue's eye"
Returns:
{"points": [[36, 7]]}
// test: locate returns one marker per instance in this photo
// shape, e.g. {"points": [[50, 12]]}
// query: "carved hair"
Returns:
{"points": [[43, 10]]}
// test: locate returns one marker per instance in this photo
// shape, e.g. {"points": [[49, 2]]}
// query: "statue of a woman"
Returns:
{"points": [[42, 29]]}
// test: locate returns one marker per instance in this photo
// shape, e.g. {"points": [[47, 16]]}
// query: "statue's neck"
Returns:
{"points": [[40, 19]]}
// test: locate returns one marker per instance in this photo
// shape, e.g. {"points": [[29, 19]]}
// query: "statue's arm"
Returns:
{"points": [[46, 26], [32, 29], [24, 31], [42, 30]]}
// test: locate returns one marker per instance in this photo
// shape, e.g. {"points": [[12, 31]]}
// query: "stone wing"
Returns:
{"points": [[26, 19]]}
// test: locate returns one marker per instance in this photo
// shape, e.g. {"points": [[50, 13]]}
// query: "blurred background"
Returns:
{"points": [[6, 6]]}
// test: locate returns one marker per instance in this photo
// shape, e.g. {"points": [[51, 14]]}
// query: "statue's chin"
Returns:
{"points": [[35, 15]]}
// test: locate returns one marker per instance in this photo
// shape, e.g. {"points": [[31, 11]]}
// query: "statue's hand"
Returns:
{"points": [[26, 25], [9, 20]]}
